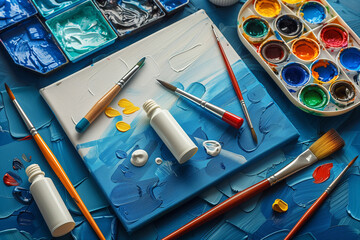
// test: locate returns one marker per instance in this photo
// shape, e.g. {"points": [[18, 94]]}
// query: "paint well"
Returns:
{"points": [[334, 36], [14, 11], [32, 47], [322, 173], [324, 71], [171, 5], [343, 91], [123, 126], [314, 96], [280, 206], [306, 49], [12, 179], [274, 51], [49, 8], [289, 25], [313, 12], [111, 112], [268, 8], [295, 74], [350, 58], [256, 27]]}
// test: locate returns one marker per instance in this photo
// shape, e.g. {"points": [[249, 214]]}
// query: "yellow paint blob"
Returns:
{"points": [[111, 112], [122, 126], [268, 8], [280, 206], [130, 110], [293, 1], [129, 106]]}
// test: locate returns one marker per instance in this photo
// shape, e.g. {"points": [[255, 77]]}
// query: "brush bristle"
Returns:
{"points": [[253, 134], [9, 92], [167, 85], [329, 143], [352, 161]]}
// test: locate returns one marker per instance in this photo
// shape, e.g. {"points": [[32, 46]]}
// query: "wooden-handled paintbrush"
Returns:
{"points": [[55, 165], [329, 143], [318, 202], [103, 102]]}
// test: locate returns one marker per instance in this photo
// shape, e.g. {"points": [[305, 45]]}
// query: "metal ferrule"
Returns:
{"points": [[204, 104], [304, 160], [337, 180], [128, 76], [25, 118], [246, 113]]}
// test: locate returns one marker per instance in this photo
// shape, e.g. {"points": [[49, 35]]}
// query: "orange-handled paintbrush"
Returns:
{"points": [[55, 165], [329, 143], [307, 215]]}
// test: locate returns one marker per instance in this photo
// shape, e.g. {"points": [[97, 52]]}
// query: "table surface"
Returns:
{"points": [[253, 220]]}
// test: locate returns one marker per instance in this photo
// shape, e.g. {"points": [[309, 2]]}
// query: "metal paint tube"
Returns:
{"points": [[314, 96], [274, 51], [349, 58], [267, 8], [334, 36], [342, 92], [295, 75], [256, 29], [312, 12], [289, 26], [305, 49], [324, 71]]}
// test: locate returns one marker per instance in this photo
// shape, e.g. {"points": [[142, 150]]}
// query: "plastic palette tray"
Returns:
{"points": [[80, 31], [332, 108], [15, 11], [49, 8]]}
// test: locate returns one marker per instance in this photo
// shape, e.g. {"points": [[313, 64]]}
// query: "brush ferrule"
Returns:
{"points": [[304, 160], [246, 113], [26, 120], [337, 180], [204, 104], [128, 76]]}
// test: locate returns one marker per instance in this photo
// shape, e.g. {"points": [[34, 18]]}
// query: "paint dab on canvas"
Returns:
{"points": [[123, 126], [17, 164], [22, 195], [212, 147], [23, 156], [158, 161], [279, 206], [182, 60], [139, 158], [111, 112], [128, 105], [120, 154], [12, 179], [322, 173]]}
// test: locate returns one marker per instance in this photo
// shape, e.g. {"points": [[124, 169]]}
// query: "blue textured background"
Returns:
{"points": [[253, 220]]}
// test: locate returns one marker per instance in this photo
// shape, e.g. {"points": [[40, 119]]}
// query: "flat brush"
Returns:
{"points": [[55, 165], [329, 143], [236, 86], [103, 102], [318, 202], [224, 115]]}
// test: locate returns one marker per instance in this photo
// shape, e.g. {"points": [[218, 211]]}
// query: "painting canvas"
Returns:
{"points": [[186, 55]]}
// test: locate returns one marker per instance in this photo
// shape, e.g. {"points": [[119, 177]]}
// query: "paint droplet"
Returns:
{"points": [[22, 195], [122, 126], [129, 106], [23, 156], [17, 164], [322, 173], [279, 206], [12, 179], [139, 158], [158, 161], [121, 154], [212, 147], [111, 112], [131, 110], [25, 218]]}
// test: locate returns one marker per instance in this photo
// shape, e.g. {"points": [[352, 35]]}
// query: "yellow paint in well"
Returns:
{"points": [[130, 110], [129, 106], [279, 206], [293, 1], [123, 126], [268, 8], [111, 112]]}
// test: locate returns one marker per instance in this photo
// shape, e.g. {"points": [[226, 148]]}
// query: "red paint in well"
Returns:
{"points": [[334, 37], [322, 173]]}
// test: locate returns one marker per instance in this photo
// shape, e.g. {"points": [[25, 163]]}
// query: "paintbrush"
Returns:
{"points": [[54, 164], [329, 143], [224, 115], [236, 86], [101, 105], [318, 202]]}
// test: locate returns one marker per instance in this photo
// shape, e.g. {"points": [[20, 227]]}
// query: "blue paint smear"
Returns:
{"points": [[295, 75], [120, 154], [28, 98], [232, 233], [276, 235], [22, 195], [256, 94], [13, 11], [107, 224], [339, 232], [313, 12], [196, 89], [326, 73], [212, 196], [12, 234], [350, 58], [353, 207], [32, 47], [171, 5]]}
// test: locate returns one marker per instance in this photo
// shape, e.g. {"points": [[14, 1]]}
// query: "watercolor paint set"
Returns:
{"points": [[307, 49]]}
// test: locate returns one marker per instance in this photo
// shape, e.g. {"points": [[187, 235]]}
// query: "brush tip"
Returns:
{"points": [[253, 134], [167, 85], [327, 144], [352, 161], [141, 62], [9, 92]]}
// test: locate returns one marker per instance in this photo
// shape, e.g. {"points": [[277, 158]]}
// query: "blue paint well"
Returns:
{"points": [[32, 47], [171, 5], [325, 73], [14, 11], [313, 12], [49, 8], [295, 74], [350, 58]]}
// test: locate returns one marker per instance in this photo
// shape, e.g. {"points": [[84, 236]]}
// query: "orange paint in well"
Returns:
{"points": [[318, 64], [306, 49]]}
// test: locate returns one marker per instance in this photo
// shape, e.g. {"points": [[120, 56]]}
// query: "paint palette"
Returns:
{"points": [[14, 11], [307, 49], [130, 16], [49, 8], [81, 30], [31, 46], [171, 6]]}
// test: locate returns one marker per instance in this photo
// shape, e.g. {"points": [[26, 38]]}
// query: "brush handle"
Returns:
{"points": [[232, 119], [307, 215], [98, 108], [60, 173], [221, 208]]}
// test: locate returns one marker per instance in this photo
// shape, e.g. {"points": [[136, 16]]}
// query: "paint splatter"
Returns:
{"points": [[158, 161], [123, 126], [17, 164], [322, 173], [212, 147], [139, 158], [129, 106], [280, 206], [23, 156], [12, 179], [111, 112], [120, 154], [22, 195]]}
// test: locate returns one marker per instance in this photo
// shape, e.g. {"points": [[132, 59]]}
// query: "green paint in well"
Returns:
{"points": [[255, 28], [313, 96]]}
